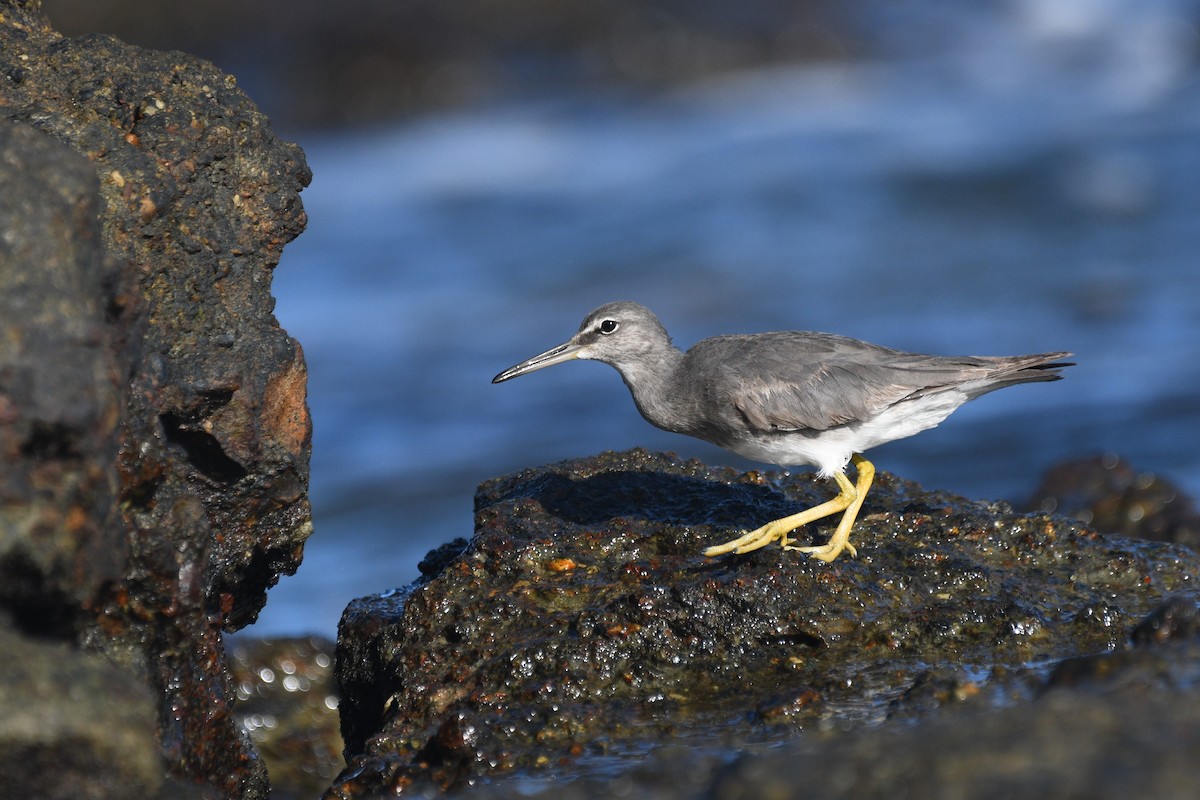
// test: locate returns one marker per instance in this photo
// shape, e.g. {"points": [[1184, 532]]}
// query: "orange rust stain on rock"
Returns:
{"points": [[76, 519], [285, 413]]}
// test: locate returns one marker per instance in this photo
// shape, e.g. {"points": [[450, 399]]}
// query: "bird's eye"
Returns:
{"points": [[608, 326]]}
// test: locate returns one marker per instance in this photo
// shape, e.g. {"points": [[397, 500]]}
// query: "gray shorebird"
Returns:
{"points": [[788, 398]]}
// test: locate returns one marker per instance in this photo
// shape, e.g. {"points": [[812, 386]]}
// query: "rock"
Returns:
{"points": [[288, 703], [1111, 725], [75, 726], [1067, 744], [360, 60], [1107, 493], [1125, 725], [61, 541], [155, 408], [582, 623]]}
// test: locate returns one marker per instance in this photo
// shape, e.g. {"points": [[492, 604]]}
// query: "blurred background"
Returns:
{"points": [[993, 177]]}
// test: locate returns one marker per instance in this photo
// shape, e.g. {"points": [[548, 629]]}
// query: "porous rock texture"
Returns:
{"points": [[582, 622], [154, 436]]}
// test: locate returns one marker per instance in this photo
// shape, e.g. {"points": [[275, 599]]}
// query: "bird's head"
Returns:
{"points": [[616, 333]]}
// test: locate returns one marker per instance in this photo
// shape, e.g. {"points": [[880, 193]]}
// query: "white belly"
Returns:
{"points": [[830, 450]]}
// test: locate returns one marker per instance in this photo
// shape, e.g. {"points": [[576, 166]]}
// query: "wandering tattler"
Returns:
{"points": [[788, 398]]}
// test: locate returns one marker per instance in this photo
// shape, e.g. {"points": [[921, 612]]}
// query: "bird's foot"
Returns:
{"points": [[849, 500], [827, 552], [759, 537], [780, 528]]}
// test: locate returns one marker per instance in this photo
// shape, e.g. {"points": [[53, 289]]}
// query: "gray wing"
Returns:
{"points": [[799, 380]]}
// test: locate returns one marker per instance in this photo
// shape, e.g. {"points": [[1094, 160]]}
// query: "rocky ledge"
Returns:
{"points": [[154, 438], [581, 630]]}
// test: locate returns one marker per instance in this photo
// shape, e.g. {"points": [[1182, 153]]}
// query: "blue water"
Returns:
{"points": [[1020, 179]]}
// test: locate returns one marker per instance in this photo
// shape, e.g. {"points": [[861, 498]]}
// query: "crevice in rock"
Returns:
{"points": [[51, 441], [203, 450]]}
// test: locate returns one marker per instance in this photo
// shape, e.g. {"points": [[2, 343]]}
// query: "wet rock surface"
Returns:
{"points": [[1109, 494], [581, 629], [356, 60], [287, 702], [1112, 725], [61, 543], [153, 423], [74, 726]]}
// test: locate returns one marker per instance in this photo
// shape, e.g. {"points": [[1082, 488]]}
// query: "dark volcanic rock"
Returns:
{"points": [[61, 541], [288, 703], [72, 717], [355, 60], [1067, 744], [1108, 726], [1108, 494], [152, 412], [582, 620]]}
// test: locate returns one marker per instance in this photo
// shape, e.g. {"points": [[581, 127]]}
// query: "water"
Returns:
{"points": [[1025, 181]]}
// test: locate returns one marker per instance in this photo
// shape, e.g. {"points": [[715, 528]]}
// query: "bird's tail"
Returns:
{"points": [[1011, 370]]}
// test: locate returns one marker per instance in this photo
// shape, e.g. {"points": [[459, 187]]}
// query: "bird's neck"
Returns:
{"points": [[652, 382]]}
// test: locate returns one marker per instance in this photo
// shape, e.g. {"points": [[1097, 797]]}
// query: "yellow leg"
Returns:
{"points": [[841, 537], [849, 499]]}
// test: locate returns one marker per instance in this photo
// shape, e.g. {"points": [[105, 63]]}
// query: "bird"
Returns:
{"points": [[788, 398]]}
